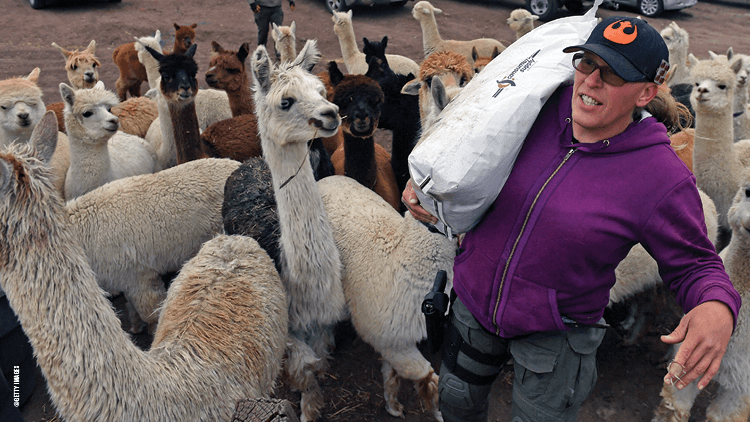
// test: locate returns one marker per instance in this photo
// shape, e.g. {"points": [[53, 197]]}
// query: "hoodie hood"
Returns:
{"points": [[639, 134]]}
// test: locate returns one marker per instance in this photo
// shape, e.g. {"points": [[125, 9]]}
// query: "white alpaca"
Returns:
{"points": [[285, 41], [425, 13], [716, 163], [354, 59], [21, 108], [292, 109], [732, 401], [678, 42], [390, 263], [99, 153], [741, 110], [522, 22], [220, 338]]}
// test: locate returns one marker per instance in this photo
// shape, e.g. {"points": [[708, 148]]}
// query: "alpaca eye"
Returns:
{"points": [[462, 82], [722, 87], [233, 71], [87, 114], [166, 78], [286, 103], [94, 65], [747, 192], [74, 67], [4, 107]]}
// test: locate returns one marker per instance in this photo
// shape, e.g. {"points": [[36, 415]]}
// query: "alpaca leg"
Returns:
{"points": [[137, 325], [410, 364], [122, 89], [135, 88], [676, 404], [302, 364], [146, 293], [391, 385]]}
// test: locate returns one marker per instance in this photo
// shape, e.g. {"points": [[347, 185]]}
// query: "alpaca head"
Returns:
{"points": [[424, 10], [184, 37], [81, 66], [88, 113], [480, 62], [21, 107], [374, 48], [178, 85], [342, 22], [676, 38], [290, 101], [739, 213], [713, 90], [359, 99], [285, 40], [521, 21], [227, 68]]}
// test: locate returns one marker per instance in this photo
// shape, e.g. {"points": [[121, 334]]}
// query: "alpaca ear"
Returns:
{"points": [[176, 27], [384, 42], [730, 53], [293, 28], [67, 94], [693, 60], [349, 13], [261, 69], [334, 74], [495, 52], [474, 53], [712, 55], [534, 17], [736, 66], [195, 25], [438, 93], [44, 137], [92, 47], [243, 52], [411, 88], [157, 36], [64, 52], [191, 51], [34, 75], [155, 54], [100, 85], [216, 48], [436, 11], [309, 56]]}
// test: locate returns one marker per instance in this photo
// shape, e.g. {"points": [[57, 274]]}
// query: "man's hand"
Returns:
{"points": [[255, 8], [409, 198], [704, 333], [291, 5]]}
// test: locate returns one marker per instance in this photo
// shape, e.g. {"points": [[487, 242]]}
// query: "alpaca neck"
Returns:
{"points": [[152, 72], [430, 34], [287, 48], [187, 137], [166, 150], [736, 263], [741, 95], [90, 165], [241, 100], [349, 49], [714, 131], [359, 159], [679, 57], [70, 324]]}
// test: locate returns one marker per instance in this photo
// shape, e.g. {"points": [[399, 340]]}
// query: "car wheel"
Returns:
{"points": [[38, 4], [397, 4], [650, 8], [336, 5], [545, 9]]}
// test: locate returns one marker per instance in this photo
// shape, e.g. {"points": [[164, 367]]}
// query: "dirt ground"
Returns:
{"points": [[629, 376]]}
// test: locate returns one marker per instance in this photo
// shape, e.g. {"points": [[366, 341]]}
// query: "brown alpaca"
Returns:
{"points": [[132, 72], [227, 72], [481, 61], [359, 99]]}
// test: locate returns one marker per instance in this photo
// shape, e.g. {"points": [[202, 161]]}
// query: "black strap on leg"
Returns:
{"points": [[454, 343]]}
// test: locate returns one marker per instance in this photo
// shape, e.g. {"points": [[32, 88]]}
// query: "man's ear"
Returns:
{"points": [[647, 94]]}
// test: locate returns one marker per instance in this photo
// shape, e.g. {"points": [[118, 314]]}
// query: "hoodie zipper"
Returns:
{"points": [[520, 234]]}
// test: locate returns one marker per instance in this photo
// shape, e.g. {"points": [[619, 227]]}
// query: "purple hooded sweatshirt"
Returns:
{"points": [[570, 212]]}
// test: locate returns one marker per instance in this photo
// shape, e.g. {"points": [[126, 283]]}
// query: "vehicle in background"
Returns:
{"points": [[344, 5], [41, 4], [650, 8], [550, 9]]}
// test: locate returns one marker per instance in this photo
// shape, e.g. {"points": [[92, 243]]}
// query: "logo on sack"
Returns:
{"points": [[522, 67], [621, 32]]}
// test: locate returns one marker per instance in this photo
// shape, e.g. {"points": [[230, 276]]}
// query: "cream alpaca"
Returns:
{"points": [[678, 42], [354, 59], [22, 108], [292, 109], [285, 41], [220, 339], [732, 402], [99, 153], [390, 263], [425, 13], [716, 164]]}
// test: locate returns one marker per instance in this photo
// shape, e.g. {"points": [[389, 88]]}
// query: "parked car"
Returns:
{"points": [[41, 4], [651, 8], [344, 5], [549, 9]]}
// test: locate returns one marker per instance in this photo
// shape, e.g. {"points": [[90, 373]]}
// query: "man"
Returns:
{"points": [[267, 12], [595, 176]]}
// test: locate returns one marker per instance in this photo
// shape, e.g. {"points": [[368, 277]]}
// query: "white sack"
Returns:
{"points": [[462, 163]]}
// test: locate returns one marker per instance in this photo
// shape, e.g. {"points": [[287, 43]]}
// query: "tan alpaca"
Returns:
{"points": [[285, 41], [678, 42], [222, 330], [310, 264], [521, 21]]}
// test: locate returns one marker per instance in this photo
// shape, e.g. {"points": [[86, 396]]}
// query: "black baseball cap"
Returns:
{"points": [[630, 46]]}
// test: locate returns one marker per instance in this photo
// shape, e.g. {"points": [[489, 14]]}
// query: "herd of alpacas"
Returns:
{"points": [[281, 216]]}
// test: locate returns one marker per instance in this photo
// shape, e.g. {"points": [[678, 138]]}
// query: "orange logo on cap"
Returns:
{"points": [[621, 32]]}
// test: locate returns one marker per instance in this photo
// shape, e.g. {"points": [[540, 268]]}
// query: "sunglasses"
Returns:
{"points": [[587, 66]]}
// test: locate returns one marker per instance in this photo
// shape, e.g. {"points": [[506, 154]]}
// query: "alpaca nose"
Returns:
{"points": [[88, 75], [702, 90], [23, 116], [330, 112]]}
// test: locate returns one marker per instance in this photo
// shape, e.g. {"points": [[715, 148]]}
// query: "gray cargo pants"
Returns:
{"points": [[554, 371]]}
